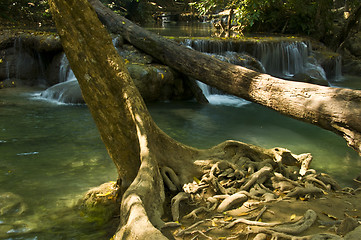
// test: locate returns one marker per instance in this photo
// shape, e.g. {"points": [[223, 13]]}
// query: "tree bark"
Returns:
{"points": [[137, 146], [334, 109]]}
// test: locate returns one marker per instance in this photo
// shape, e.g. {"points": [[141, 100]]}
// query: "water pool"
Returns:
{"points": [[51, 154]]}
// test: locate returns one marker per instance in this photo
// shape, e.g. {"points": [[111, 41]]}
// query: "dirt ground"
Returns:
{"points": [[331, 210]]}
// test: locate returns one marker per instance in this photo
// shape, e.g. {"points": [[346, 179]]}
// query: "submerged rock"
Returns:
{"points": [[65, 92], [244, 60], [100, 203], [11, 204], [21, 64], [155, 82]]}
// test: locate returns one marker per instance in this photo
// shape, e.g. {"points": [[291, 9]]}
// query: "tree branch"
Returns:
{"points": [[334, 109]]}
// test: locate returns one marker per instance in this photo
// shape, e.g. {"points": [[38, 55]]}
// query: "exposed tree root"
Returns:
{"points": [[251, 223], [300, 226], [301, 191], [175, 204], [284, 236], [170, 179], [237, 198], [147, 159], [247, 175]]}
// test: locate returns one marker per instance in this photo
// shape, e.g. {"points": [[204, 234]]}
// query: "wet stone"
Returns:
{"points": [[11, 204]]}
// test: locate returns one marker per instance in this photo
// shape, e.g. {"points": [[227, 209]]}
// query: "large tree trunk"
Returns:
{"points": [[142, 153], [136, 145], [334, 109]]}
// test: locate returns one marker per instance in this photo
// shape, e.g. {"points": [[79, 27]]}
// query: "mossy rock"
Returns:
{"points": [[100, 203]]}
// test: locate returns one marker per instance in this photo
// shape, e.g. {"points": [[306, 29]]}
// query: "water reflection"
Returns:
{"points": [[183, 29], [51, 154], [205, 126]]}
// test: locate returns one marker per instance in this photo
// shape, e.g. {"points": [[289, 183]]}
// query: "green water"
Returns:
{"points": [[51, 154], [205, 126], [182, 29]]}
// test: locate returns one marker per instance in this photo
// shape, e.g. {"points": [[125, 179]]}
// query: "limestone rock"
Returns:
{"points": [[156, 82], [19, 63], [11, 204], [130, 54], [66, 92]]}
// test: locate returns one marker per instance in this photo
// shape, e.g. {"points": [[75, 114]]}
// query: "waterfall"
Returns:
{"points": [[338, 69], [65, 72], [19, 57], [7, 70], [219, 98], [283, 58], [209, 46], [67, 90], [280, 58], [42, 71]]}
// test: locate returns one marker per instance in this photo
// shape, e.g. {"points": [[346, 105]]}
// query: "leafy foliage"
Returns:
{"points": [[289, 16], [26, 10]]}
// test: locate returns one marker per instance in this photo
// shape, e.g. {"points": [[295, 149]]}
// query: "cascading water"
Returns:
{"points": [[287, 59], [216, 98], [67, 90], [282, 58], [209, 46], [7, 70], [338, 69], [65, 72], [19, 57], [42, 74]]}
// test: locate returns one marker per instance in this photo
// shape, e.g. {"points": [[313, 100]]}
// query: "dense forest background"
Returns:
{"points": [[319, 19]]}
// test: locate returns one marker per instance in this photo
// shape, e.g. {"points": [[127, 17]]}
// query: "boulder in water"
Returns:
{"points": [[65, 92], [154, 81], [11, 204], [245, 60]]}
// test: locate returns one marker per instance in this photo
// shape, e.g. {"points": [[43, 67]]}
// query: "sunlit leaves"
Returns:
{"points": [[292, 16]]}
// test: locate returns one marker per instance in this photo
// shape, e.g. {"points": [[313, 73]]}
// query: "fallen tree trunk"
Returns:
{"points": [[334, 109], [141, 152]]}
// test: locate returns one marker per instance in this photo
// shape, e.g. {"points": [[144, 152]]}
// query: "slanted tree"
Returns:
{"points": [[334, 109], [145, 157]]}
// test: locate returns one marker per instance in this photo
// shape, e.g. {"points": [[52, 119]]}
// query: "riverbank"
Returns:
{"points": [[46, 146], [211, 125]]}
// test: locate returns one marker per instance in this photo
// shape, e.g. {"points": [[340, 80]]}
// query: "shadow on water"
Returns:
{"points": [[206, 125], [50, 156]]}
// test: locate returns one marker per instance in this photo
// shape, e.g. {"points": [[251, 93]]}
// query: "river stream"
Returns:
{"points": [[51, 153]]}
